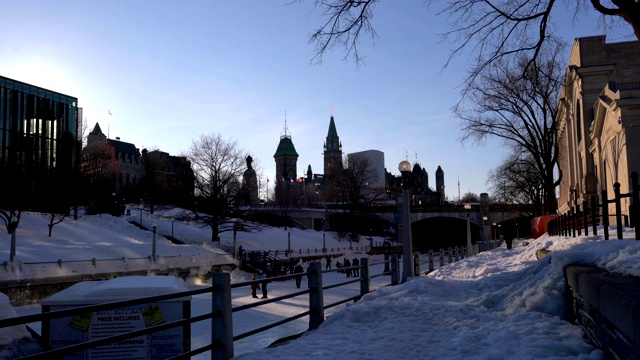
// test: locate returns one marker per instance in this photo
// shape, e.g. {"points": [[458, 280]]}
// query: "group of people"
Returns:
{"points": [[261, 275], [345, 263], [267, 273]]}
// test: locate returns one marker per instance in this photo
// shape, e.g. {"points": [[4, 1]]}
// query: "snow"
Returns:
{"points": [[497, 304], [132, 286]]}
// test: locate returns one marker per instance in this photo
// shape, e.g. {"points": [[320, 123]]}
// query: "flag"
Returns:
{"points": [[110, 113]]}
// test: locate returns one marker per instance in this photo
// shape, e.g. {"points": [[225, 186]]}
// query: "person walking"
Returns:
{"points": [[255, 287], [328, 266], [356, 271], [298, 270], [263, 277], [347, 264]]}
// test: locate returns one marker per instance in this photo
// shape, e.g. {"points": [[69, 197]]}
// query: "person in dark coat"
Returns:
{"points": [[356, 271], [255, 287], [263, 277], [328, 263], [298, 270], [347, 263]]}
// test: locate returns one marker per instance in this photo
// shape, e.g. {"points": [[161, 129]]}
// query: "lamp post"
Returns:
{"points": [[485, 240], [495, 232], [499, 236], [517, 232], [153, 246], [13, 225], [172, 220], [469, 248], [141, 207], [407, 263]]}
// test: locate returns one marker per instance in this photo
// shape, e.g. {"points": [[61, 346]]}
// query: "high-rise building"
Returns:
{"points": [[39, 139]]}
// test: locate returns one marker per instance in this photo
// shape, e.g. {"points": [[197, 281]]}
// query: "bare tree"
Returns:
{"points": [[520, 109], [492, 29], [355, 186], [517, 181], [470, 198], [218, 165]]}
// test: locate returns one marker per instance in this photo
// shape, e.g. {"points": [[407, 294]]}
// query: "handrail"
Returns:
{"points": [[216, 290]]}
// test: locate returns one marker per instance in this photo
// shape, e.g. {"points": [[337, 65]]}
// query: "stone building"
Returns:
{"points": [[118, 161], [286, 158], [332, 152], [598, 120]]}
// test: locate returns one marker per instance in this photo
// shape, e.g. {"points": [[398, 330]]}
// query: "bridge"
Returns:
{"points": [[433, 226]]}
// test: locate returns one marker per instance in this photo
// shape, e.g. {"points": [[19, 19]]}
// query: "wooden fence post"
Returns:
{"points": [[395, 270], [365, 278], [431, 264], [441, 257], [450, 256], [222, 321], [316, 302]]}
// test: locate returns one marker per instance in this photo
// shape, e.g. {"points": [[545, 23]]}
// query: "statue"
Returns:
{"points": [[250, 184]]}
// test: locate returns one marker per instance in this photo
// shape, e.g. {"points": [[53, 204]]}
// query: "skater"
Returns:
{"points": [[347, 264], [328, 263], [356, 271], [298, 270], [255, 287], [263, 276]]}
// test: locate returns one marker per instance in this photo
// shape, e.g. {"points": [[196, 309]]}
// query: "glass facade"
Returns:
{"points": [[38, 127], [39, 132]]}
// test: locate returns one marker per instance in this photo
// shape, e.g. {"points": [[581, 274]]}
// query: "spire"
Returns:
{"points": [[333, 140], [286, 129]]}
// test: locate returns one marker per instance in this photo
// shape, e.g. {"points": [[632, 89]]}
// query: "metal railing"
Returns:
{"points": [[222, 337]]}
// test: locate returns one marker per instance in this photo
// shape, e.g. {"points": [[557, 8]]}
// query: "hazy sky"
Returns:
{"points": [[170, 71]]}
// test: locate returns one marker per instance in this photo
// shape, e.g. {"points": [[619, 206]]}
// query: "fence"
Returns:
{"points": [[222, 337], [576, 220]]}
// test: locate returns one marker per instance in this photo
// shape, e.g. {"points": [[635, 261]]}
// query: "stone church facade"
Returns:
{"points": [[598, 121]]}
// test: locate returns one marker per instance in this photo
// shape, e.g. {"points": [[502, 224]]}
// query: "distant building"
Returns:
{"points": [[170, 178], [332, 152], [375, 158], [598, 120], [286, 158], [116, 160], [39, 138]]}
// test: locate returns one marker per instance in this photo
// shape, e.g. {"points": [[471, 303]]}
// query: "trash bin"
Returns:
{"points": [[66, 331]]}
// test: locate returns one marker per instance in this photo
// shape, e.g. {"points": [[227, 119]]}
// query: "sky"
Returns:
{"points": [[499, 304], [169, 72]]}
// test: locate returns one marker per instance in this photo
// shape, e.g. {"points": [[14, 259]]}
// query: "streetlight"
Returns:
{"points": [[469, 249], [407, 264], [153, 246], [12, 226], [517, 232], [172, 220], [484, 232], [495, 232], [141, 207], [499, 236]]}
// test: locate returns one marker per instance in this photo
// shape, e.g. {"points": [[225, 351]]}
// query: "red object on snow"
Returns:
{"points": [[539, 225]]}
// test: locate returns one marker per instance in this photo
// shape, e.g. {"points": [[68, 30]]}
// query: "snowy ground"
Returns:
{"points": [[500, 304]]}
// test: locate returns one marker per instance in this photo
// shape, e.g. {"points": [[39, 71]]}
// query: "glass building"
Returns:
{"points": [[39, 136]]}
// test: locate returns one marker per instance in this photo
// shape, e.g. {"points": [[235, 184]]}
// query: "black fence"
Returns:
{"points": [[594, 214]]}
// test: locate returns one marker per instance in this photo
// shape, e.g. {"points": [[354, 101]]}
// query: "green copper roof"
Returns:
{"points": [[285, 147]]}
